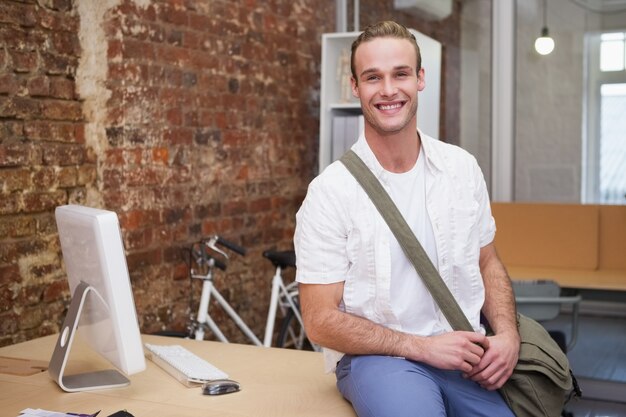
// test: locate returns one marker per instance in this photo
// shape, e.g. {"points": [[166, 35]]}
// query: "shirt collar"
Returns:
{"points": [[433, 157]]}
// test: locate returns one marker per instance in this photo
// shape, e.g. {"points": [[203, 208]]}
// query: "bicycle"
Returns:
{"points": [[207, 256]]}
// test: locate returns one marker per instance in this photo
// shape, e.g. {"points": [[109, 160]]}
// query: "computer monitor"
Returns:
{"points": [[102, 307]]}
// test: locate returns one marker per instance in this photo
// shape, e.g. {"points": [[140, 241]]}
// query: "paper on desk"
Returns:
{"points": [[29, 412]]}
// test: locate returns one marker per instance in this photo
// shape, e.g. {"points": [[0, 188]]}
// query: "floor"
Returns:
{"points": [[598, 360]]}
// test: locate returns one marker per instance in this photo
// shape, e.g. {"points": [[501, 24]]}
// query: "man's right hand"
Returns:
{"points": [[453, 351]]}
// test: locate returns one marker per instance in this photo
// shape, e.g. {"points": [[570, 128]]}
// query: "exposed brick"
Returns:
{"points": [[57, 290], [9, 83], [43, 201], [67, 177], [54, 131], [61, 87], [62, 110], [19, 107], [17, 154], [18, 14], [43, 178], [9, 274], [55, 64], [64, 154], [14, 179], [24, 61], [39, 86]]}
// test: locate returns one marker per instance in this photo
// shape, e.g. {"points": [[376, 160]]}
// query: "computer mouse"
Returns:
{"points": [[220, 386]]}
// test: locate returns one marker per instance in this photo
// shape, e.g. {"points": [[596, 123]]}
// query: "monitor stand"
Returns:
{"points": [[79, 382]]}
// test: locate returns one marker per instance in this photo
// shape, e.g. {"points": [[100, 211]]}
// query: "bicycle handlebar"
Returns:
{"points": [[230, 245]]}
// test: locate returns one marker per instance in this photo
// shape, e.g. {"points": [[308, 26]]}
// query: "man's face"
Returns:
{"points": [[388, 82]]}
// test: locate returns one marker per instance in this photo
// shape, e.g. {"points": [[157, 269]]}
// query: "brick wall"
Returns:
{"points": [[187, 118], [43, 160]]}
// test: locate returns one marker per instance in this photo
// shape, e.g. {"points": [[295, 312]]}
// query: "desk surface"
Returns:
{"points": [[275, 382]]}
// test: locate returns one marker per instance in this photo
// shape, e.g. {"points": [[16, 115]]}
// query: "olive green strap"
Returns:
{"points": [[409, 243]]}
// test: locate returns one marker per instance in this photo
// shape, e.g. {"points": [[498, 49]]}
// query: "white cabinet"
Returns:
{"points": [[336, 102]]}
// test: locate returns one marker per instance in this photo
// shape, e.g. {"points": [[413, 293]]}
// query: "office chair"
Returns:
{"points": [[542, 300]]}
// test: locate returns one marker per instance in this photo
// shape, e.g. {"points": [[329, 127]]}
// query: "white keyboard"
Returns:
{"points": [[183, 365]]}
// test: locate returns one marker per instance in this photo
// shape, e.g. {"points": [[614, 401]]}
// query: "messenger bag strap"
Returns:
{"points": [[407, 240]]}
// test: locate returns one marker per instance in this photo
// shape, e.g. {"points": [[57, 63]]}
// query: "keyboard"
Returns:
{"points": [[183, 365]]}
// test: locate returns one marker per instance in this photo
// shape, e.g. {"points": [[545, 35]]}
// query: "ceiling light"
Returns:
{"points": [[544, 44]]}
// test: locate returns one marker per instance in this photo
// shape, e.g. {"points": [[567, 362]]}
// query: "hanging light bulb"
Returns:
{"points": [[544, 44]]}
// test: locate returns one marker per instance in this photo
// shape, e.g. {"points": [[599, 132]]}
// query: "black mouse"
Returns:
{"points": [[220, 386]]}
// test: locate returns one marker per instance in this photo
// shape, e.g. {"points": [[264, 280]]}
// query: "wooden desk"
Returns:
{"points": [[275, 382]]}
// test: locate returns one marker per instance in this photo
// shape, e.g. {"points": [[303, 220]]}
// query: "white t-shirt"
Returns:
{"points": [[410, 299]]}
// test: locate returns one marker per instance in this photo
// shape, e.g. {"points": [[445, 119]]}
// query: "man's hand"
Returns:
{"points": [[455, 350], [496, 365]]}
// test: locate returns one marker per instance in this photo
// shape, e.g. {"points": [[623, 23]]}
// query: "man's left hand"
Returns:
{"points": [[496, 365]]}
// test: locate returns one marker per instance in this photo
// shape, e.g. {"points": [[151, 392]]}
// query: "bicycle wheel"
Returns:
{"points": [[292, 335]]}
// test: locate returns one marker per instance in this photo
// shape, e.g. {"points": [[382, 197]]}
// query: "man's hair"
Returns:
{"points": [[384, 29]]}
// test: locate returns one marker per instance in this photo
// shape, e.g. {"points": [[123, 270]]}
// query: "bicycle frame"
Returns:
{"points": [[286, 298], [208, 289]]}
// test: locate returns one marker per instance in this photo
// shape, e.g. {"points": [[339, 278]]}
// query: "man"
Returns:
{"points": [[393, 351]]}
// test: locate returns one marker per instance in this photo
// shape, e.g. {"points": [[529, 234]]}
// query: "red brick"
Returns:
{"points": [[43, 201], [24, 61], [43, 178], [57, 290], [17, 154], [133, 49], [67, 177], [14, 179], [55, 64], [61, 87], [137, 260], [160, 155], [62, 110], [19, 107], [178, 136], [38, 86], [9, 83], [64, 154], [18, 14]]}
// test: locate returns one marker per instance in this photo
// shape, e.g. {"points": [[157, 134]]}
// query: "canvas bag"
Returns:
{"points": [[542, 379]]}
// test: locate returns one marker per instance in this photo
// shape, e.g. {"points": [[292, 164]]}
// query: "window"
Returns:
{"points": [[604, 159], [612, 52]]}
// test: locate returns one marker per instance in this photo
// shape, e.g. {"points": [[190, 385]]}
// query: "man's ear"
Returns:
{"points": [[421, 81], [355, 87]]}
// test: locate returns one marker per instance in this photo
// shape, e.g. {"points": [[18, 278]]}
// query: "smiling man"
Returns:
{"points": [[393, 352]]}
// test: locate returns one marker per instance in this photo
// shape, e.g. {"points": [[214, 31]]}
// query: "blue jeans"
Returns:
{"points": [[383, 386]]}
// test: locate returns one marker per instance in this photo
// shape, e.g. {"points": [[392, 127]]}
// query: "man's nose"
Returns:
{"points": [[388, 87]]}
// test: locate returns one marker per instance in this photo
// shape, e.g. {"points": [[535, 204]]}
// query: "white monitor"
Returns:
{"points": [[102, 305]]}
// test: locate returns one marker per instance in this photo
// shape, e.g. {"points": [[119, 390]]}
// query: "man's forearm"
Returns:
{"points": [[499, 307], [339, 331]]}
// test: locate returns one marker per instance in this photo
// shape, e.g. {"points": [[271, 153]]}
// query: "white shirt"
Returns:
{"points": [[340, 236]]}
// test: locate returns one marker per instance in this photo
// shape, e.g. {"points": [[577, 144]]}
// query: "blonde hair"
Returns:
{"points": [[385, 29]]}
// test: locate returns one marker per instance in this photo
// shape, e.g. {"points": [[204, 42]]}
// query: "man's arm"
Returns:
{"points": [[330, 327], [496, 366]]}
